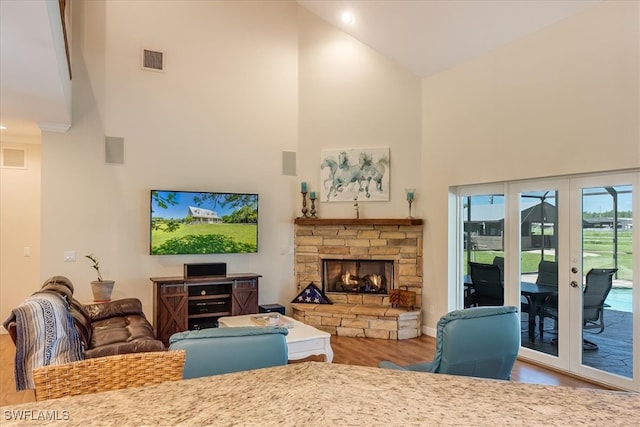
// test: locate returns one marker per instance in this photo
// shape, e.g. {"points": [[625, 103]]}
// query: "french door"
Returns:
{"points": [[561, 240], [604, 248]]}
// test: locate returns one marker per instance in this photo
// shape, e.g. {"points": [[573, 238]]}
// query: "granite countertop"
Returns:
{"points": [[323, 394]]}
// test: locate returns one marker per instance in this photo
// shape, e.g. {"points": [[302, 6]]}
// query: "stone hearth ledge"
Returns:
{"points": [[360, 320]]}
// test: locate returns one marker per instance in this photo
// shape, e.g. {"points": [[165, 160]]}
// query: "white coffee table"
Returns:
{"points": [[302, 340]]}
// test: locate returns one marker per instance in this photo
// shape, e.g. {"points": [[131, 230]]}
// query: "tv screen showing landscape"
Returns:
{"points": [[191, 222]]}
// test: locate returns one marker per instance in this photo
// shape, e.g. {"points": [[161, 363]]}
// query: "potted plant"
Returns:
{"points": [[101, 289]]}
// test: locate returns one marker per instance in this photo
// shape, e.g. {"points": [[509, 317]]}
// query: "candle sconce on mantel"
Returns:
{"points": [[303, 191], [306, 213], [312, 197], [411, 194]]}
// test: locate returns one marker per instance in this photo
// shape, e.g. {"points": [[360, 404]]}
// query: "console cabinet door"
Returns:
{"points": [[172, 310], [245, 297]]}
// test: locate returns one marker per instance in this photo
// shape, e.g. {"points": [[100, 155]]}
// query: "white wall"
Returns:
{"points": [[352, 97], [19, 227], [216, 120], [561, 101]]}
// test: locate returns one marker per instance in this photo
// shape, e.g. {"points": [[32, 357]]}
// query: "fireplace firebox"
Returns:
{"points": [[357, 276]]}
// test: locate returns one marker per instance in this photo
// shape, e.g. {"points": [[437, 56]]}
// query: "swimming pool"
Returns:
{"points": [[619, 299]]}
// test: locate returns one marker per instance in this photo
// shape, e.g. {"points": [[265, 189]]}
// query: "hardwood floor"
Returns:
{"points": [[351, 351], [8, 393], [368, 352]]}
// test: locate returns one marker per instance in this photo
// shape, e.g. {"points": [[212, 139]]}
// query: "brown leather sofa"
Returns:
{"points": [[108, 328], [119, 327]]}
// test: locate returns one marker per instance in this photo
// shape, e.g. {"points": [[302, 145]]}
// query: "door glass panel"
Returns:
{"points": [[539, 270], [607, 266], [483, 244]]}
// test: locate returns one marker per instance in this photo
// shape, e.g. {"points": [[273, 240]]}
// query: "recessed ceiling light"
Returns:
{"points": [[3, 127], [347, 18]]}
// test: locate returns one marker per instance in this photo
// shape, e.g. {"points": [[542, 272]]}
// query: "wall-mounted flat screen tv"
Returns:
{"points": [[192, 222]]}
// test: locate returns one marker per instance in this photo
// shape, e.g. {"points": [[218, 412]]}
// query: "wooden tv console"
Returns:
{"points": [[181, 304]]}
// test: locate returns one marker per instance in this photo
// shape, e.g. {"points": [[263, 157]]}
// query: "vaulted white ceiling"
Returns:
{"points": [[429, 36], [424, 36]]}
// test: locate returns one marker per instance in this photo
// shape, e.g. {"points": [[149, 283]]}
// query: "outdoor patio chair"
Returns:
{"points": [[547, 273], [548, 276], [499, 261], [487, 286], [598, 284], [478, 342]]}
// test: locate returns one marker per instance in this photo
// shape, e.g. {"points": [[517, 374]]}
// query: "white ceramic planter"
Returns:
{"points": [[102, 290]]}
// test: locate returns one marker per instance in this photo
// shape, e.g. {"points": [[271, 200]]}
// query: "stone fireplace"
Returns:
{"points": [[357, 262]]}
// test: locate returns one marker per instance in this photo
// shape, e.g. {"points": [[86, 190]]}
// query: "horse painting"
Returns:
{"points": [[371, 172], [348, 174], [341, 176], [329, 183]]}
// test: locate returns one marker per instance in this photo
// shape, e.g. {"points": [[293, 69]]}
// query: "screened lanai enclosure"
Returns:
{"points": [[484, 225]]}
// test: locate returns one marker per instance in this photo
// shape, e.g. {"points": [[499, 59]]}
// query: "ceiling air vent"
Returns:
{"points": [[152, 60]]}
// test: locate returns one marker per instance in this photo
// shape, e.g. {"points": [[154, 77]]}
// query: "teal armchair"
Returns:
{"points": [[477, 342], [223, 350]]}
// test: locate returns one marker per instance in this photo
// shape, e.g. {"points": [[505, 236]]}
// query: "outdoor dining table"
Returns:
{"points": [[536, 295]]}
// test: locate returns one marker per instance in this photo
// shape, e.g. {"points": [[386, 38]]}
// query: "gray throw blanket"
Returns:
{"points": [[46, 335]]}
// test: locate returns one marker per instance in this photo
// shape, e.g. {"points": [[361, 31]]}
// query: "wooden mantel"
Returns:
{"points": [[358, 221]]}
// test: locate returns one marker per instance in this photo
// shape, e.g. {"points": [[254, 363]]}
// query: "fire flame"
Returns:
{"points": [[346, 279], [376, 279]]}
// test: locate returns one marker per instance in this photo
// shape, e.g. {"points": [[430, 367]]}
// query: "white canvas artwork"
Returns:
{"points": [[357, 174]]}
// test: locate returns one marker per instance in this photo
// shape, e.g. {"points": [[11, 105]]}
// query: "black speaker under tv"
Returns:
{"points": [[196, 222], [205, 269]]}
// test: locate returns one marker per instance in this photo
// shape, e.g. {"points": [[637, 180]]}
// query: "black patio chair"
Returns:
{"points": [[499, 261], [487, 286], [599, 282], [548, 276], [597, 288], [547, 273]]}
